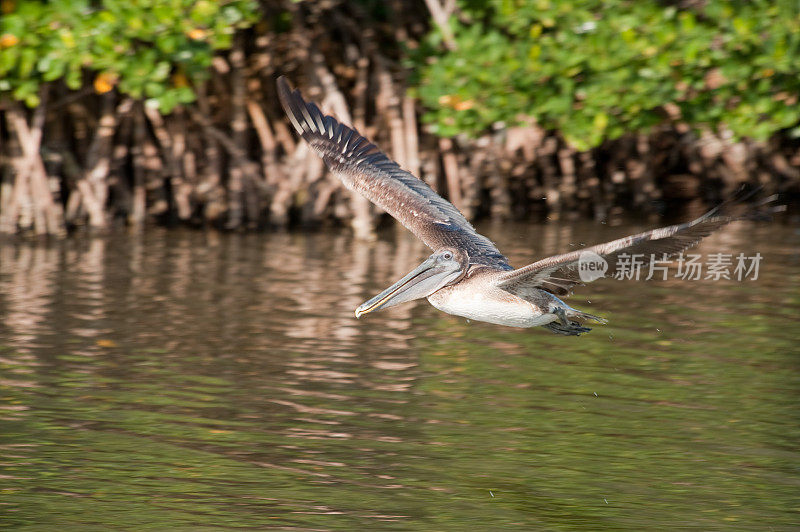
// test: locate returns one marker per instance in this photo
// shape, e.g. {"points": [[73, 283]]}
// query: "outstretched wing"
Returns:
{"points": [[364, 168], [559, 274]]}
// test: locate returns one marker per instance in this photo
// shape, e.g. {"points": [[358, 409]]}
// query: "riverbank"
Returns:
{"points": [[96, 157]]}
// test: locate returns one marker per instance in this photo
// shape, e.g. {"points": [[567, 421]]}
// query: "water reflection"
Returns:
{"points": [[196, 379]]}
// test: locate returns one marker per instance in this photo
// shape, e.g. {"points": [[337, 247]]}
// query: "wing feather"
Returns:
{"points": [[362, 167], [559, 274]]}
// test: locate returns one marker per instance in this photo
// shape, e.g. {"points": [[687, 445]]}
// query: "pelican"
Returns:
{"points": [[467, 275]]}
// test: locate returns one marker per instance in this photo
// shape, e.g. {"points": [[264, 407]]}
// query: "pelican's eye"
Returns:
{"points": [[447, 255]]}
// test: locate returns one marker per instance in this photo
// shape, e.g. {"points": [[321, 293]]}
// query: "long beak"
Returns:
{"points": [[422, 281]]}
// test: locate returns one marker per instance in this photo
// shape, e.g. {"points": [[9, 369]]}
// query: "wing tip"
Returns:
{"points": [[310, 122], [284, 93], [283, 84], [293, 104], [743, 205]]}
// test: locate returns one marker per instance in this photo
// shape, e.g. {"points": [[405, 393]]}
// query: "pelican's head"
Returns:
{"points": [[445, 267]]}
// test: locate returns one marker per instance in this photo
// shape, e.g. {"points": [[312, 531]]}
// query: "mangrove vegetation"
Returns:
{"points": [[164, 111]]}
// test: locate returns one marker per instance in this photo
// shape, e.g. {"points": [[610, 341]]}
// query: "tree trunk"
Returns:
{"points": [[31, 175], [451, 171], [236, 186]]}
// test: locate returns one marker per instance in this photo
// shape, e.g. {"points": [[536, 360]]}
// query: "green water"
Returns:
{"points": [[202, 381]]}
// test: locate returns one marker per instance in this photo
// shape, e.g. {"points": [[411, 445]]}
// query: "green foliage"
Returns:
{"points": [[595, 69], [149, 49]]}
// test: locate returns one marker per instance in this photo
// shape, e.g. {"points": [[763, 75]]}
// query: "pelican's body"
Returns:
{"points": [[467, 275], [477, 297]]}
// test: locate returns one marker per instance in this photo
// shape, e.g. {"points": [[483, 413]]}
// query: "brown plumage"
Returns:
{"points": [[467, 275], [558, 274], [364, 168]]}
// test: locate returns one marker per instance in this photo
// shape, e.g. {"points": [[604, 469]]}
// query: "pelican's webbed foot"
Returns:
{"points": [[562, 316], [572, 328]]}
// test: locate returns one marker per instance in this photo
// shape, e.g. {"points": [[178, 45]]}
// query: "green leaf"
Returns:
{"points": [[597, 77]]}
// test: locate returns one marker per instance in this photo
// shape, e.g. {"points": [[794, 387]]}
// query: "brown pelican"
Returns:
{"points": [[467, 275]]}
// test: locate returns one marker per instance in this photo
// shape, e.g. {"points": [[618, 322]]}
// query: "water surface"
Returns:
{"points": [[197, 381]]}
